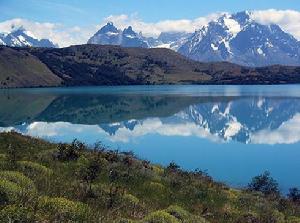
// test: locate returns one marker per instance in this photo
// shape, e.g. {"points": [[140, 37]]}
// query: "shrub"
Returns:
{"points": [[124, 220], [16, 188], [16, 213], [158, 170], [2, 156], [160, 217], [293, 220], [156, 187], [294, 194], [34, 169], [70, 152], [178, 212], [9, 192], [173, 167], [183, 215], [130, 200], [19, 179], [265, 184], [62, 209]]}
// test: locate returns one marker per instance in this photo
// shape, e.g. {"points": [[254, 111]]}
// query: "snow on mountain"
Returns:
{"points": [[171, 40], [239, 39], [110, 35], [107, 35], [23, 38]]}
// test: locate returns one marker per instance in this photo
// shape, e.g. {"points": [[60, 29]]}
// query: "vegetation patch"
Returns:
{"points": [[48, 182]]}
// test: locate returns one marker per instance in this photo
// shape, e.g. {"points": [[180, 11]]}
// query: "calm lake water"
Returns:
{"points": [[232, 132]]}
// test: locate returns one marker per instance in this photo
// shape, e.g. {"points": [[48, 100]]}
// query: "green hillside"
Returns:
{"points": [[46, 182]]}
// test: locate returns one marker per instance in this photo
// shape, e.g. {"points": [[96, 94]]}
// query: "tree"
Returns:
{"points": [[12, 156], [173, 167], [265, 184], [294, 194], [69, 152], [88, 171]]}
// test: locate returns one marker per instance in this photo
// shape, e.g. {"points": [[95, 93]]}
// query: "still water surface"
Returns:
{"points": [[233, 132]]}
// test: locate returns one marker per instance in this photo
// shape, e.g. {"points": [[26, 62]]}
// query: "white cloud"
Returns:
{"points": [[288, 20], [156, 126], [66, 130], [59, 34], [286, 133], [154, 29]]}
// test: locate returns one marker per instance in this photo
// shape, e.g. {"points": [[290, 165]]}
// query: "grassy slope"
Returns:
{"points": [[43, 182], [20, 69]]}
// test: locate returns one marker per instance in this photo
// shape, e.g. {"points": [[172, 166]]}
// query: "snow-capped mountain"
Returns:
{"points": [[133, 39], [171, 40], [22, 38], [110, 35], [236, 38], [107, 35], [240, 39]]}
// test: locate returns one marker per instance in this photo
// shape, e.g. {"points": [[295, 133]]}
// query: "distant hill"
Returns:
{"points": [[19, 68], [85, 65]]}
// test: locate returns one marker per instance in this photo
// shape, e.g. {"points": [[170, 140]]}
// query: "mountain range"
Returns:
{"points": [[22, 38], [235, 38], [110, 35]]}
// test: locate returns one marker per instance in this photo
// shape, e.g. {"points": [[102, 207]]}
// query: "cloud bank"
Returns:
{"points": [[288, 20]]}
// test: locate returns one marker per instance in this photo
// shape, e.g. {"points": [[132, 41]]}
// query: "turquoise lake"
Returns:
{"points": [[232, 132]]}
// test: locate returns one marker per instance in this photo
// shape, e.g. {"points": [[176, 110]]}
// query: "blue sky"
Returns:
{"points": [[79, 12]]}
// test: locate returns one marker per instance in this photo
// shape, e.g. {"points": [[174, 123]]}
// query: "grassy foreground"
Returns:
{"points": [[46, 182]]}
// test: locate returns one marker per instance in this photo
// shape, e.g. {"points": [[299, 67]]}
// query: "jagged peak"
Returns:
{"points": [[109, 27], [129, 29]]}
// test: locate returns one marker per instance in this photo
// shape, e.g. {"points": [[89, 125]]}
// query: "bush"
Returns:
{"points": [[265, 184], [19, 179], [2, 156], [293, 220], [62, 209], [294, 194], [70, 152], [14, 213], [178, 212], [124, 220], [183, 215], [9, 192], [160, 217], [34, 169], [130, 200], [16, 188], [273, 216], [156, 187]]}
